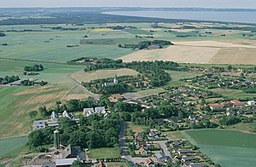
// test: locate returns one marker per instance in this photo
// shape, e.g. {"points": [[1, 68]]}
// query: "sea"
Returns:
{"points": [[237, 16]]}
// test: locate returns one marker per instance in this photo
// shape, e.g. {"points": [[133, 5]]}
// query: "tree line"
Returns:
{"points": [[36, 67], [90, 132], [146, 44], [8, 79], [154, 70]]}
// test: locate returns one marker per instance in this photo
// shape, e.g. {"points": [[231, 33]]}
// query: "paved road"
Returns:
{"points": [[86, 91], [164, 148], [122, 144]]}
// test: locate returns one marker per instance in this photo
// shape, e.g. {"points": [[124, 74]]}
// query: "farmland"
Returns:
{"points": [[54, 45], [104, 153], [198, 52], [238, 150], [10, 144], [82, 76]]}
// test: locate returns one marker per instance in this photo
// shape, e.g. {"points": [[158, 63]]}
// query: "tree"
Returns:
{"points": [[33, 114], [76, 164]]}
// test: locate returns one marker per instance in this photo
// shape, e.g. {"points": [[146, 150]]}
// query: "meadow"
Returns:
{"points": [[11, 144], [102, 153], [82, 76], [226, 147]]}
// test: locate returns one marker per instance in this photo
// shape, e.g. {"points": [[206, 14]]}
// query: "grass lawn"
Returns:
{"points": [[10, 144], [177, 75], [137, 128], [117, 164], [226, 147], [102, 153], [175, 135]]}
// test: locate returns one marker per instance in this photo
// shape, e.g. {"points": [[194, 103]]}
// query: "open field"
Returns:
{"points": [[137, 128], [10, 144], [82, 76], [199, 52], [180, 54], [175, 135], [228, 148], [235, 56], [102, 153], [233, 93], [117, 164], [178, 75], [17, 102]]}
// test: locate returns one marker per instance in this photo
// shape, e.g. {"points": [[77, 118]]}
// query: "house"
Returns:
{"points": [[184, 151], [101, 164], [149, 162], [88, 111], [188, 159], [137, 136], [101, 110], [197, 165], [160, 156], [54, 116], [142, 143], [251, 103], [40, 124], [115, 82], [52, 123], [73, 152], [65, 162], [192, 118], [65, 114], [142, 151], [176, 143], [153, 134], [237, 103], [215, 107]]}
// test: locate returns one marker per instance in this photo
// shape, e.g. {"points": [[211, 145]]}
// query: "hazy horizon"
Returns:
{"points": [[245, 4]]}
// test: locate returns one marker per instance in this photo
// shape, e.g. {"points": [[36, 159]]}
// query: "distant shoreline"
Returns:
{"points": [[225, 16]]}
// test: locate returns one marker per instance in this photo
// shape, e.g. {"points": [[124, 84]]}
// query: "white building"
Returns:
{"points": [[88, 111], [40, 124], [251, 103]]}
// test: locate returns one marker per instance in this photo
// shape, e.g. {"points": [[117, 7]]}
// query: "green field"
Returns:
{"points": [[178, 75], [10, 144], [236, 94], [226, 147], [102, 153]]}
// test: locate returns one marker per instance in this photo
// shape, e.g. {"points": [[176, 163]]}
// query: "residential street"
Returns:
{"points": [[123, 147]]}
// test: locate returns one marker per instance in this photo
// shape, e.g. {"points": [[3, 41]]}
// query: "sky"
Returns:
{"points": [[130, 3]]}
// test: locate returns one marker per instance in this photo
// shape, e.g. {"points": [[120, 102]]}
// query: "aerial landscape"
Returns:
{"points": [[124, 84]]}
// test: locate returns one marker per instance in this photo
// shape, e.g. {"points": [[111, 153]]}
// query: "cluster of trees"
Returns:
{"points": [[2, 34], [31, 83], [146, 44], [103, 132], [8, 79], [203, 124], [229, 120], [118, 27], [73, 105], [36, 67], [117, 88], [154, 71]]}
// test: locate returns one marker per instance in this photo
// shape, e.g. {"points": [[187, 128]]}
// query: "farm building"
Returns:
{"points": [[150, 162], [40, 124], [251, 103]]}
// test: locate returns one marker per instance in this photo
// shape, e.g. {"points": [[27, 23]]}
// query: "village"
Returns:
{"points": [[196, 108]]}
